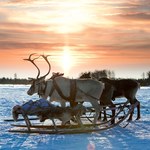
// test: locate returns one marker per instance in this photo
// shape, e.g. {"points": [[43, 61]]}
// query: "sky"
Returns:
{"points": [[79, 36]]}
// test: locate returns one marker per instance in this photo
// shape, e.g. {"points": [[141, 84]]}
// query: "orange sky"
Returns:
{"points": [[79, 35]]}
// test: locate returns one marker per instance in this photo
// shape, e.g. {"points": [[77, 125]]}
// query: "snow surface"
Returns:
{"points": [[136, 136]]}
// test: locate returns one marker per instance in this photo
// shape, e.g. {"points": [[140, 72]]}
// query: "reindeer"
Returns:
{"points": [[71, 90], [45, 110], [64, 114], [120, 88]]}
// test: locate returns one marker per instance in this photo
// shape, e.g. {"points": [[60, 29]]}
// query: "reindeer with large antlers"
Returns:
{"points": [[71, 90], [40, 86], [38, 83]]}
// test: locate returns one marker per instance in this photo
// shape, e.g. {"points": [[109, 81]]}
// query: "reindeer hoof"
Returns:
{"points": [[112, 122], [138, 118], [129, 120], [105, 119]]}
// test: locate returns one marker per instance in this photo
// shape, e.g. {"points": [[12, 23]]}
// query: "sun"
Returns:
{"points": [[67, 60]]}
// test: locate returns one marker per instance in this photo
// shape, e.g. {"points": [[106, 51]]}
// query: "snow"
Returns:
{"points": [[135, 136]]}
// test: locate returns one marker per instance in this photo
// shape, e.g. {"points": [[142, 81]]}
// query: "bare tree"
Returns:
{"points": [[148, 74], [15, 76]]}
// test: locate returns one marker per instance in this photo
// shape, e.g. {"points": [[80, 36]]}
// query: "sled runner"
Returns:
{"points": [[123, 110]]}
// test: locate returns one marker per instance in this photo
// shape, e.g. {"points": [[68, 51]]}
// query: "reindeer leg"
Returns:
{"points": [[105, 117], [132, 111], [96, 106], [54, 124], [113, 113], [131, 115], [138, 111], [28, 123], [100, 115], [79, 120]]}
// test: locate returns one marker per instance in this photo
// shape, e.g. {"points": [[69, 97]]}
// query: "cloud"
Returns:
{"points": [[36, 46], [138, 2], [21, 1], [136, 16]]}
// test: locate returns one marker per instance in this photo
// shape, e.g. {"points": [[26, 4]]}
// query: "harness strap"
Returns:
{"points": [[73, 90], [46, 89], [52, 90], [41, 91]]}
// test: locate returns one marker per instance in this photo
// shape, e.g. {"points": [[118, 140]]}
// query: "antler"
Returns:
{"points": [[49, 65], [32, 61]]}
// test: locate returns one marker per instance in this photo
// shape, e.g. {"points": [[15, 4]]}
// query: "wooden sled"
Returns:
{"points": [[123, 110]]}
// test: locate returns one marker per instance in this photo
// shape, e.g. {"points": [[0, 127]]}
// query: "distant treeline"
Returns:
{"points": [[144, 82], [13, 81], [97, 74]]}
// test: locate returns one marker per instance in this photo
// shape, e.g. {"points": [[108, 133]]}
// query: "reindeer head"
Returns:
{"points": [[16, 111], [37, 83]]}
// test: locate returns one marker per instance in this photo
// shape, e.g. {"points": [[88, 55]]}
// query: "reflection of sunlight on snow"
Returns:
{"points": [[101, 140], [91, 146]]}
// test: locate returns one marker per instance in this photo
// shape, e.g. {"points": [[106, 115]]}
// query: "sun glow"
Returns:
{"points": [[72, 21], [67, 60], [71, 17]]}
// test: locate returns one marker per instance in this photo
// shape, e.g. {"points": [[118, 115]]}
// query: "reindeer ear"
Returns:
{"points": [[31, 80]]}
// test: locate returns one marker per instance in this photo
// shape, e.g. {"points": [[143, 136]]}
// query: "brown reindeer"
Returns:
{"points": [[120, 88]]}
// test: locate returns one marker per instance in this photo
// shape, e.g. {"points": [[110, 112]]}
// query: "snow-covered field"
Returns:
{"points": [[136, 136]]}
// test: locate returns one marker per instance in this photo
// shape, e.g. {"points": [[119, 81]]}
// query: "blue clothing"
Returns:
{"points": [[35, 106]]}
